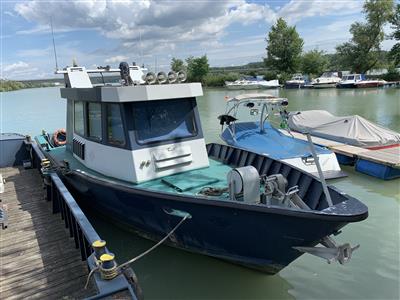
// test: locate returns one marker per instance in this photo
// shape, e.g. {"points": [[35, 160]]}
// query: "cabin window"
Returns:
{"points": [[94, 120], [157, 121], [115, 127], [79, 118]]}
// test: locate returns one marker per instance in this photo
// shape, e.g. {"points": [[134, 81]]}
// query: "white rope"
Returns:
{"points": [[156, 245], [90, 275]]}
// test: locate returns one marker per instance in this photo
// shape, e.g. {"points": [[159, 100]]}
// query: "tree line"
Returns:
{"points": [[285, 55], [12, 85]]}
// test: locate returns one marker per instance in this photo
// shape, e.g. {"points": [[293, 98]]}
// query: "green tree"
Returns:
{"points": [[361, 53], [284, 47], [395, 22], [197, 68], [314, 62], [177, 64]]}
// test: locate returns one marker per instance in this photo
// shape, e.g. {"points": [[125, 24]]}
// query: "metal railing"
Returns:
{"points": [[82, 231]]}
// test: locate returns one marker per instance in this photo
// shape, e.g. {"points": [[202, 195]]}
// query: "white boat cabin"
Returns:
{"points": [[136, 132]]}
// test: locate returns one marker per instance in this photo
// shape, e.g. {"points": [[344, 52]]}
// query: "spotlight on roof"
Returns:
{"points": [[162, 77], [172, 77], [182, 76], [150, 78]]}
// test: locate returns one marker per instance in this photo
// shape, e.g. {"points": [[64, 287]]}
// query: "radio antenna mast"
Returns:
{"points": [[54, 43]]}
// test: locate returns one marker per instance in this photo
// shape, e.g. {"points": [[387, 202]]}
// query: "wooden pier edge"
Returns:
{"points": [[46, 251], [386, 156]]}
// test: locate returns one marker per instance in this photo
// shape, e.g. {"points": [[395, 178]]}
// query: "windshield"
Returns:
{"points": [[157, 121]]}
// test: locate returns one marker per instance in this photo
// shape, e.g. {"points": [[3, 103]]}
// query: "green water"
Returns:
{"points": [[167, 273]]}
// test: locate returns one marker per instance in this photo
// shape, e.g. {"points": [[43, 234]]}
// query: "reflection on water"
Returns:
{"points": [[169, 273]]}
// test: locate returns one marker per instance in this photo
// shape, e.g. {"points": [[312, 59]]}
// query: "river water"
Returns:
{"points": [[167, 273]]}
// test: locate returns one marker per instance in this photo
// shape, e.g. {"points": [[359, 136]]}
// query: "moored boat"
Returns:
{"points": [[326, 80], [350, 81], [370, 83], [136, 153], [358, 132], [298, 81], [243, 84], [260, 136]]}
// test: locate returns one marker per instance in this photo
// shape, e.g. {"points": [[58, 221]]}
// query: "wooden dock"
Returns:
{"points": [[38, 259], [386, 156]]}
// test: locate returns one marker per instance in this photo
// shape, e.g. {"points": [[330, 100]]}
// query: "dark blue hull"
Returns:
{"points": [[294, 85], [346, 86], [252, 238], [254, 235]]}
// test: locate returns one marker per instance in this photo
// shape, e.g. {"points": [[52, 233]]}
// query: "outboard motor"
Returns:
{"points": [[124, 71], [244, 183]]}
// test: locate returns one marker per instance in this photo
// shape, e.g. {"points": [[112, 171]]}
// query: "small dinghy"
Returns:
{"points": [[261, 137], [136, 154]]}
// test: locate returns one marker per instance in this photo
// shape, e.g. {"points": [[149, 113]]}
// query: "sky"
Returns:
{"points": [[99, 32]]}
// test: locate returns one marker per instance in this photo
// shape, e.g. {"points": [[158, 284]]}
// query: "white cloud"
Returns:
{"points": [[9, 13], [297, 10], [152, 32], [156, 22], [15, 66], [115, 59], [19, 69]]}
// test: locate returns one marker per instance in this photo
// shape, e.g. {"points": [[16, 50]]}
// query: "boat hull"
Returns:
{"points": [[324, 85], [371, 84], [294, 85], [346, 85], [251, 238]]}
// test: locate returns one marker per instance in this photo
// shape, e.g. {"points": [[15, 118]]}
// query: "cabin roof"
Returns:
{"points": [[134, 93]]}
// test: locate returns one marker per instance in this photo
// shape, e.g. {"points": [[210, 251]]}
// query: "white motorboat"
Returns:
{"points": [[326, 80], [270, 84], [350, 81], [298, 81], [243, 84]]}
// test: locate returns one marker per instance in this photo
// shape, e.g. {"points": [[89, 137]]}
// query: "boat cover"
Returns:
{"points": [[352, 130]]}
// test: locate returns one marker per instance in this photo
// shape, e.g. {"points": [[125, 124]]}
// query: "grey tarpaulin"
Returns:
{"points": [[352, 130]]}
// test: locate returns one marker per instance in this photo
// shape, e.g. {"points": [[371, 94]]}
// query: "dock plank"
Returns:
{"points": [[385, 156], [38, 259]]}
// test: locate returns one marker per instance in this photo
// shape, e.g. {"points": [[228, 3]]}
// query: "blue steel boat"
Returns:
{"points": [[136, 154], [261, 137]]}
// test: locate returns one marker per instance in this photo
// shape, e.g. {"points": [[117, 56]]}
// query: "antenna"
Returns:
{"points": [[54, 43]]}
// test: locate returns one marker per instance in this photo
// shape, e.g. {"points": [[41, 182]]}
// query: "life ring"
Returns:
{"points": [[60, 137]]}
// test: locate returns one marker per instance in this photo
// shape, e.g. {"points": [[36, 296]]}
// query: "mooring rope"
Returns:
{"points": [[156, 245], [113, 272]]}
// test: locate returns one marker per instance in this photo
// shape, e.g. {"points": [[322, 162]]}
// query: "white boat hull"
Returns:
{"points": [[328, 162], [324, 85]]}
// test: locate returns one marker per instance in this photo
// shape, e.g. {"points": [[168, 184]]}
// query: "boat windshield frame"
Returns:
{"points": [[268, 103]]}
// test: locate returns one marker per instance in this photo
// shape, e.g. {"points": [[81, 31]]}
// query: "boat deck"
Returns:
{"points": [[38, 259], [214, 175]]}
